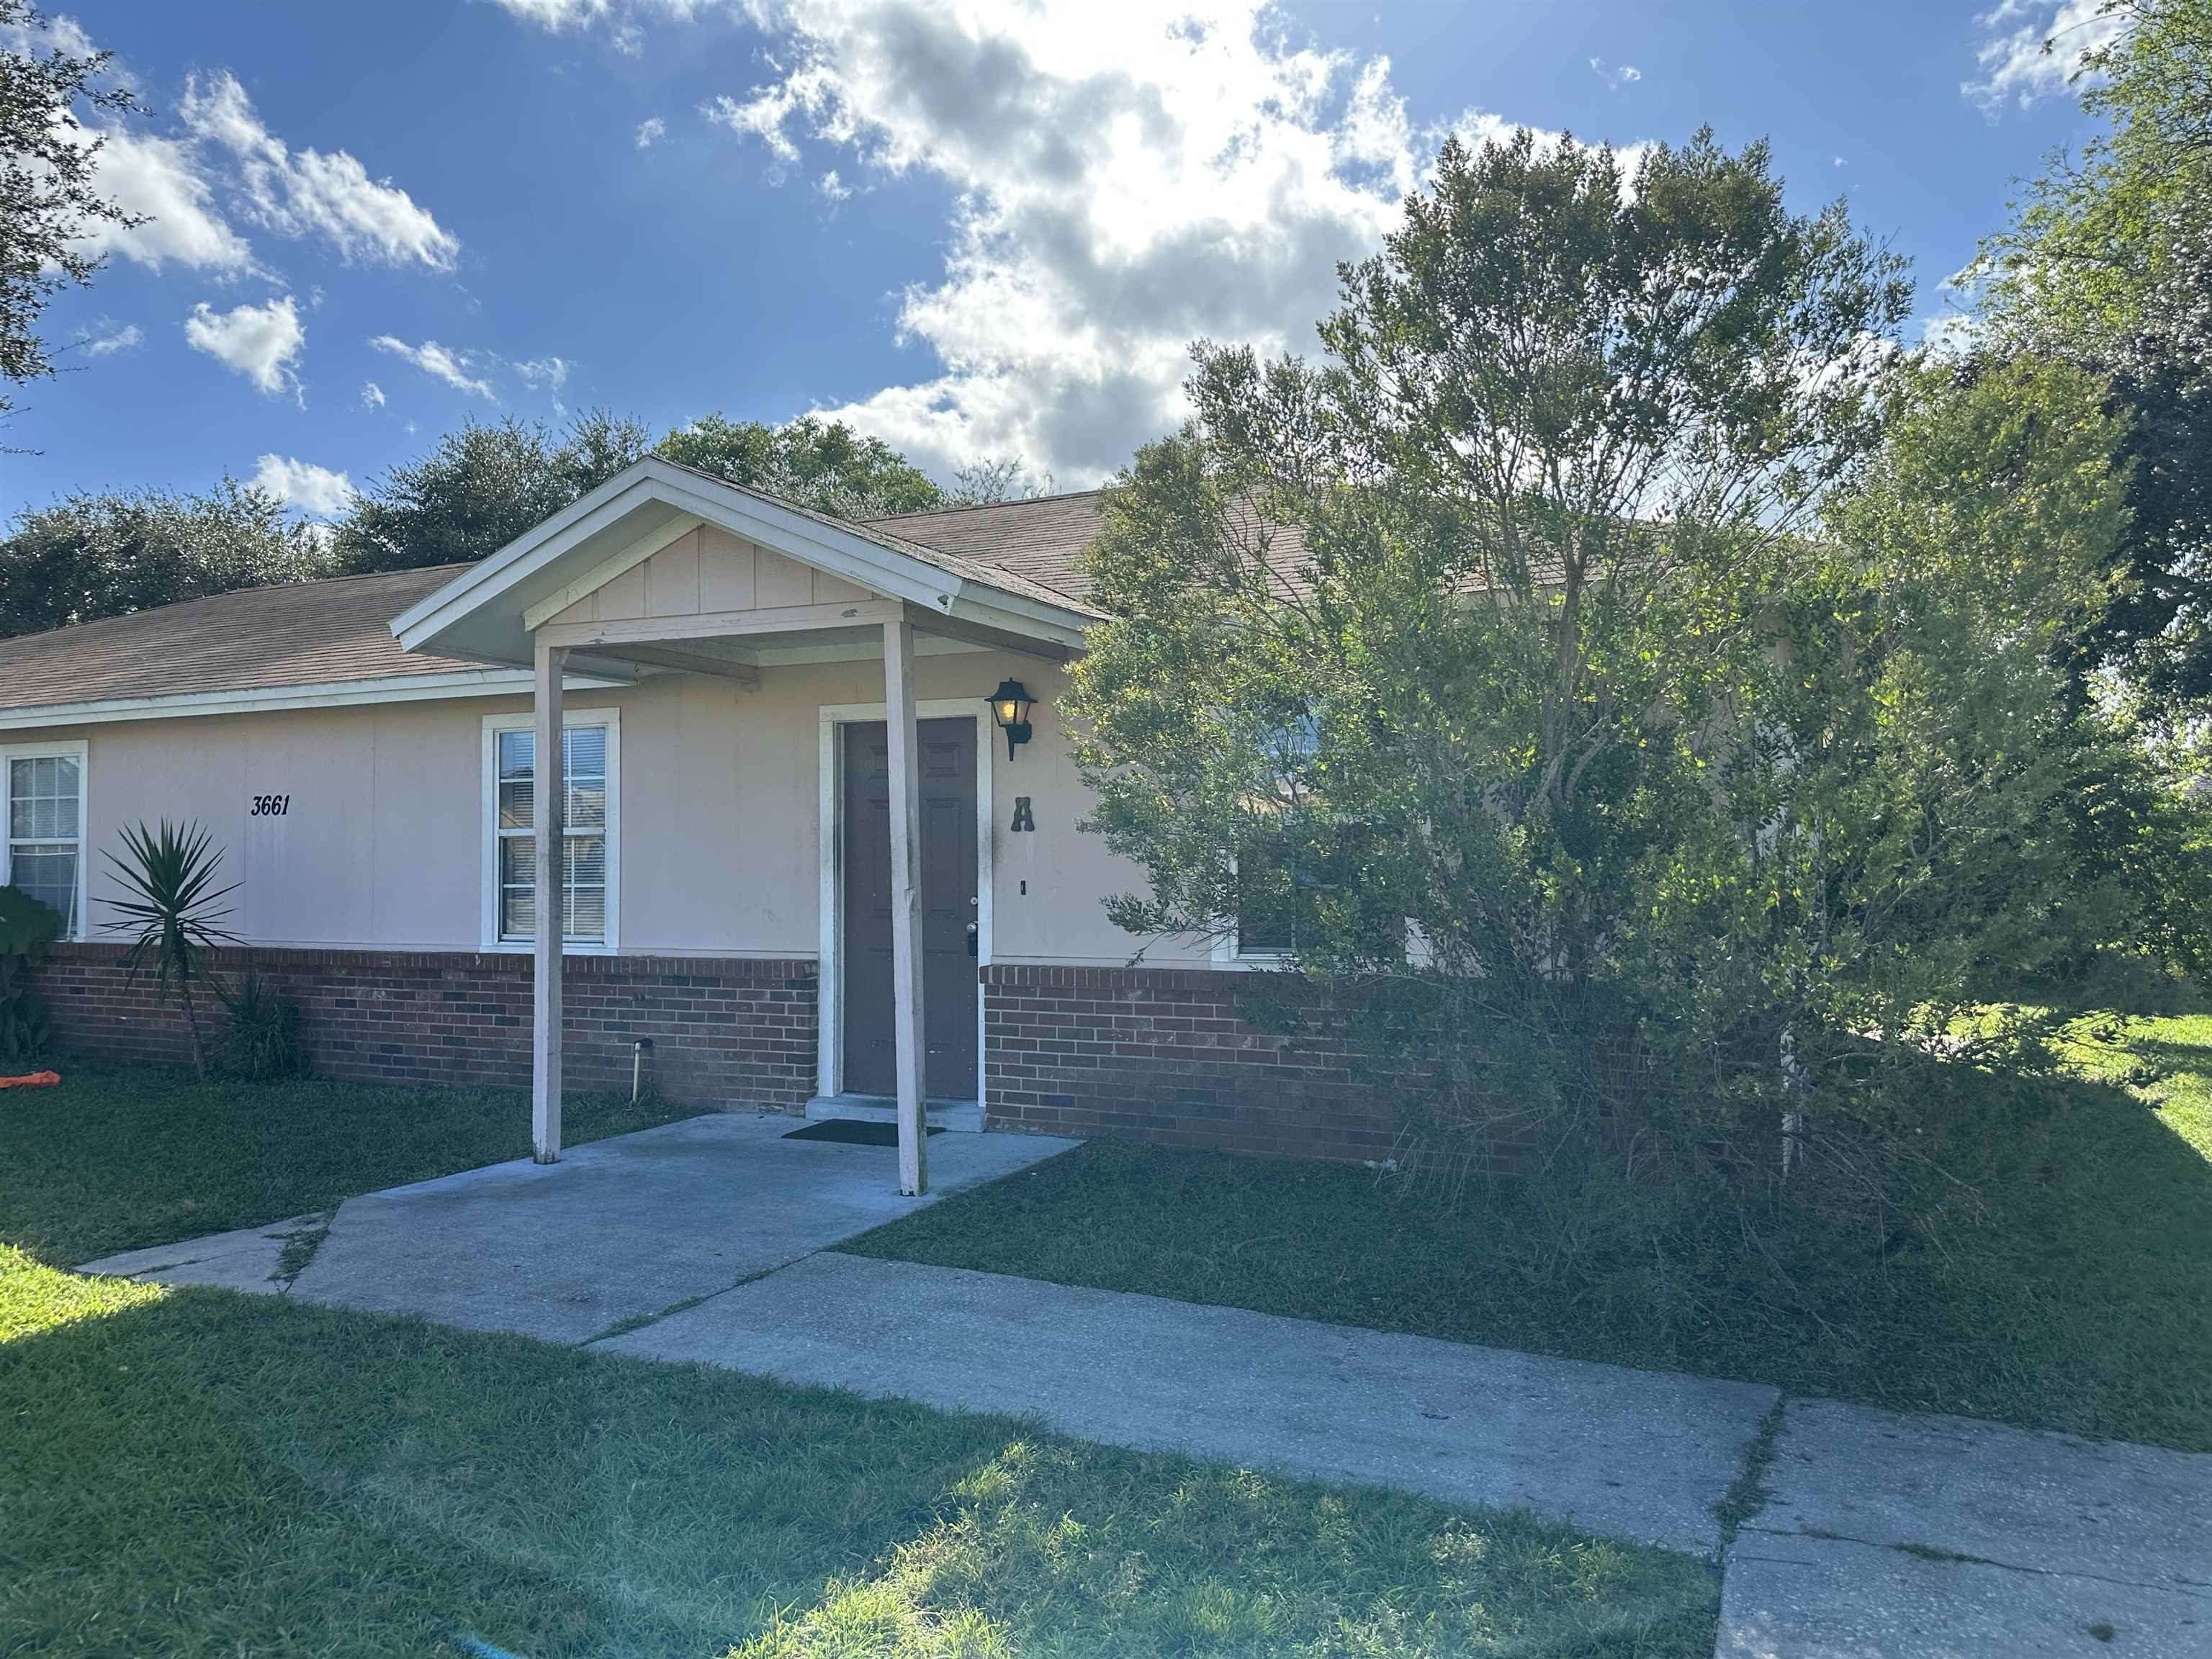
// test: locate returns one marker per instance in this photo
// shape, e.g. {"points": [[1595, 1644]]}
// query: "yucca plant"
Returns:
{"points": [[170, 912]]}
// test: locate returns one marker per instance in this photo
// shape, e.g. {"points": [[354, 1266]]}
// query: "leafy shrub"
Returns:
{"points": [[1637, 704], [264, 1042], [27, 925]]}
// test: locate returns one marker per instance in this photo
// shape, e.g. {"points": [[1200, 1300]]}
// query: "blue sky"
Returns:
{"points": [[979, 229]]}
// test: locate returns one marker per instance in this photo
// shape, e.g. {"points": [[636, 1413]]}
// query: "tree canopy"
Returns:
{"points": [[480, 488], [824, 465], [49, 191], [92, 555], [2108, 264]]}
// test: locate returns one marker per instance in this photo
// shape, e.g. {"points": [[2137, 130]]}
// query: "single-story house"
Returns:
{"points": [[797, 848]]}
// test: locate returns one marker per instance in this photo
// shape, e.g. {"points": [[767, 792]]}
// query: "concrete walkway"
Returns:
{"points": [[1881, 1537], [618, 1231], [1630, 1454]]}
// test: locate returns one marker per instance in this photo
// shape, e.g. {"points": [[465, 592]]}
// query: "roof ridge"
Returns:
{"points": [[988, 506]]}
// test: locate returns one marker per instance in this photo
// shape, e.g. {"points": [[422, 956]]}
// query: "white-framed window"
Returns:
{"points": [[1264, 931], [590, 887], [42, 788]]}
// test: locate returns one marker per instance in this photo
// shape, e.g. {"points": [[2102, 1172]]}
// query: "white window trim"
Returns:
{"points": [[76, 751], [831, 719], [487, 879]]}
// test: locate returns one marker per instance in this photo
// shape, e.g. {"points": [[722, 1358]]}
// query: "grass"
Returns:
{"points": [[195, 1473], [2082, 1300], [199, 1474], [118, 1157]]}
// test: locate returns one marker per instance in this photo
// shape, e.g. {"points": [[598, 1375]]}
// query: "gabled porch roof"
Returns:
{"points": [[491, 611]]}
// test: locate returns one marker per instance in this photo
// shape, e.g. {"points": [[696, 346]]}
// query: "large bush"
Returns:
{"points": [[1625, 685], [27, 925]]}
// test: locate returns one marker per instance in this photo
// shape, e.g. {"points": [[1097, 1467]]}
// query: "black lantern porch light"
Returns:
{"points": [[1010, 706]]}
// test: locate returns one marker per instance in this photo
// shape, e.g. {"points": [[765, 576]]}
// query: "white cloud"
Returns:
{"points": [[1950, 333], [651, 132], [556, 14], [46, 34], [1128, 179], [2034, 47], [263, 342], [297, 193], [1615, 77], [371, 395], [221, 149], [163, 181], [315, 490], [543, 374], [832, 187], [108, 338], [451, 366]]}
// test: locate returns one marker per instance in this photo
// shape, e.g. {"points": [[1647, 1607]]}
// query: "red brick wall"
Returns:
{"points": [[725, 1032], [1159, 1054]]}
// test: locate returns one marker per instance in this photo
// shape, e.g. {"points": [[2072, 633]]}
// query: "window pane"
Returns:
{"points": [[586, 750], [48, 873], [517, 861], [516, 804], [518, 912], [42, 797], [586, 863], [585, 914], [515, 751], [587, 803]]}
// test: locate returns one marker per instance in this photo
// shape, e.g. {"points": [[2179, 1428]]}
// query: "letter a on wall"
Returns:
{"points": [[1023, 819]]}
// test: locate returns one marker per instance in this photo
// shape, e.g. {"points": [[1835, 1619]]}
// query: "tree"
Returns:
{"points": [[825, 465], [1624, 687], [479, 488], [93, 555], [994, 481], [48, 186], [2108, 264]]}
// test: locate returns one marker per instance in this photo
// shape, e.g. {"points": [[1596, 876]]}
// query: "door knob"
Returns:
{"points": [[971, 939]]}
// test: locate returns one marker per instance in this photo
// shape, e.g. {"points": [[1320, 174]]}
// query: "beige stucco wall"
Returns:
{"points": [[720, 792]]}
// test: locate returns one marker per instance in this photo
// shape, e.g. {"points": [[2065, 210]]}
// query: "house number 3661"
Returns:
{"points": [[270, 806]]}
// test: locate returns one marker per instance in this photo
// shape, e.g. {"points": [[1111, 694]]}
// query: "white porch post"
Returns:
{"points": [[908, 1041], [549, 797]]}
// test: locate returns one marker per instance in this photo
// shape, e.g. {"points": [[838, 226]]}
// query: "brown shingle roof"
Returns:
{"points": [[298, 634], [322, 632], [1042, 539]]}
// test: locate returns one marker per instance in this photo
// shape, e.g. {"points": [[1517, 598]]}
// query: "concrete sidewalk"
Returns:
{"points": [[1630, 1454], [1925, 1537]]}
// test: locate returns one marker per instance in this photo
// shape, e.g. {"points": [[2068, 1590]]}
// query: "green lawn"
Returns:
{"points": [[118, 1157], [2083, 1302], [198, 1472]]}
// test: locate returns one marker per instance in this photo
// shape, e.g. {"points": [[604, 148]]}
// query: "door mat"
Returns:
{"points": [[852, 1132]]}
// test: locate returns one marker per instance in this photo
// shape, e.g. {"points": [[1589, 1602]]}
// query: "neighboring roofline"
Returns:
{"points": [[172, 606], [985, 507], [879, 561], [330, 694]]}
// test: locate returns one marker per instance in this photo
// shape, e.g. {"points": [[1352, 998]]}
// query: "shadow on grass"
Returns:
{"points": [[2082, 1298], [196, 1473]]}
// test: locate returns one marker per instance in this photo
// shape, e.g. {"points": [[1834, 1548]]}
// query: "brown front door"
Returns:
{"points": [[948, 909]]}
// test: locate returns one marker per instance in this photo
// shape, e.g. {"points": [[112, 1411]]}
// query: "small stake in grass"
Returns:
{"points": [[170, 875]]}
